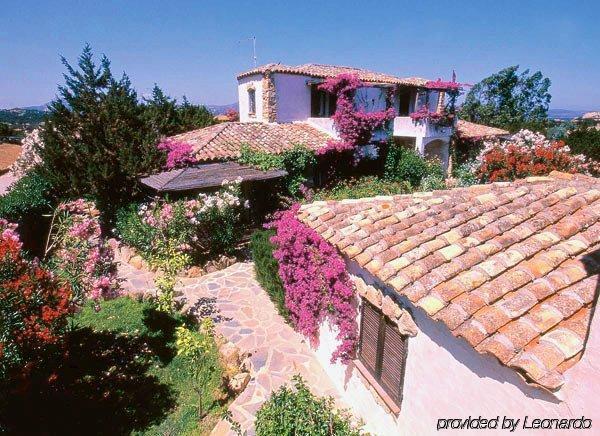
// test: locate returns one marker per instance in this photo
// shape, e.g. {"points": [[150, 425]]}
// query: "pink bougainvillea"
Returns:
{"points": [[317, 286], [354, 126], [441, 85], [179, 153]]}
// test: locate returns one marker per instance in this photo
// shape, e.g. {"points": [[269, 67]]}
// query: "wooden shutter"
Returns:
{"points": [[315, 102], [369, 337], [393, 361], [382, 350]]}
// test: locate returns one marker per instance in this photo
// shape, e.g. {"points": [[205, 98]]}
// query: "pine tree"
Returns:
{"points": [[96, 139]]}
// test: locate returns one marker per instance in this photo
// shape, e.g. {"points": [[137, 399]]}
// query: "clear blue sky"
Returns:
{"points": [[197, 47]]}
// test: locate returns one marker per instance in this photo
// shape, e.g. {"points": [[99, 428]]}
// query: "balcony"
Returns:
{"points": [[405, 126], [325, 125]]}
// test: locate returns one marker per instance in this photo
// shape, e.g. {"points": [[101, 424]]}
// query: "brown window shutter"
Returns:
{"points": [[393, 361], [369, 337], [314, 101]]}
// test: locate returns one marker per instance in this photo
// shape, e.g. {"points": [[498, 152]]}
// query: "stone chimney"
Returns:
{"points": [[269, 98]]}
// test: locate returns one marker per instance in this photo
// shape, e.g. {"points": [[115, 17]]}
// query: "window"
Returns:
{"points": [[382, 351], [322, 104], [251, 101]]}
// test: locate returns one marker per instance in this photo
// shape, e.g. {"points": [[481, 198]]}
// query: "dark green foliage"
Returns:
{"points": [[298, 162], [96, 142], [509, 100], [585, 140], [405, 164], [267, 269], [23, 117], [366, 186], [29, 197], [296, 411], [164, 115]]}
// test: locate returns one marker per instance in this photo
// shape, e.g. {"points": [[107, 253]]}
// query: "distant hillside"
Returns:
{"points": [[221, 109], [18, 116]]}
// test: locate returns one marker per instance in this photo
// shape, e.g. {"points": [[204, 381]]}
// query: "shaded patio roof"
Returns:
{"points": [[206, 176]]}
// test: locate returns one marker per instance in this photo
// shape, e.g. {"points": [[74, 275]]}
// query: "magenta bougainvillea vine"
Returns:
{"points": [[354, 126], [317, 286], [179, 154]]}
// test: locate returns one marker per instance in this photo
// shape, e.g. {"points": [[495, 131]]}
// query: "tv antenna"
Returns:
{"points": [[254, 50]]}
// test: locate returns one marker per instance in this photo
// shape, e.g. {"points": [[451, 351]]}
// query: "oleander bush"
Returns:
{"points": [[529, 154], [585, 140], [267, 269], [296, 410], [34, 307]]}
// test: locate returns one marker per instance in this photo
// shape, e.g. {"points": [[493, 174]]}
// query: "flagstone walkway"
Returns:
{"points": [[245, 315]]}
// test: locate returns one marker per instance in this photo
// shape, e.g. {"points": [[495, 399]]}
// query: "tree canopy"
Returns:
{"points": [[509, 99], [99, 136]]}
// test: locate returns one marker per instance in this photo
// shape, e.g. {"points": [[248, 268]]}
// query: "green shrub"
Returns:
{"points": [[405, 164], [297, 162], [298, 412], [28, 196], [133, 231], [585, 140], [267, 269], [466, 174], [432, 182], [367, 186]]}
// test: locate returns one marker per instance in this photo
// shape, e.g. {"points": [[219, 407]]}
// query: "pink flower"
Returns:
{"points": [[179, 153]]}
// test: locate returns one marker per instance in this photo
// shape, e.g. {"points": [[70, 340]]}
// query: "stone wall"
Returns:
{"points": [[269, 98]]}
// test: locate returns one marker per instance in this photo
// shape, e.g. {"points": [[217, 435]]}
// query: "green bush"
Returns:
{"points": [[585, 140], [298, 412], [432, 182], [267, 269], [367, 186], [297, 162], [405, 164], [466, 174], [133, 231], [28, 196]]}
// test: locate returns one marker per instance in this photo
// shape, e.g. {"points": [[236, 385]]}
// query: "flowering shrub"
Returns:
{"points": [[170, 235], [78, 253], [179, 154], [317, 286], [29, 157], [528, 154], [441, 85], [33, 305], [355, 127]]}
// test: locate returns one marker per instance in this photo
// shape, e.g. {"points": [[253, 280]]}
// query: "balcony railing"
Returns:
{"points": [[405, 126]]}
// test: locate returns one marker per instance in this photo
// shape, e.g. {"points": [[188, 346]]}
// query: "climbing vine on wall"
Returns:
{"points": [[355, 126], [317, 286]]}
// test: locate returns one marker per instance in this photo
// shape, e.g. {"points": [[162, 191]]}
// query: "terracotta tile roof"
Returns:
{"points": [[468, 130], [8, 155], [510, 267], [324, 71], [224, 140]]}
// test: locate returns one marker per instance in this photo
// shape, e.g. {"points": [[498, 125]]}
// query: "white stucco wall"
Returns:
{"points": [[254, 81], [293, 97], [446, 378]]}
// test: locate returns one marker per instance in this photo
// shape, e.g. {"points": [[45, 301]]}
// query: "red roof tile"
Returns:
{"points": [[224, 140], [325, 71], [510, 267], [468, 130]]}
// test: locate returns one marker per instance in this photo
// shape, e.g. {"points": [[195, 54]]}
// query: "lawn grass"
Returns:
{"points": [[122, 375]]}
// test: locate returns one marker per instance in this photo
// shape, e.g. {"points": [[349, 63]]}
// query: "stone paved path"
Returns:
{"points": [[245, 315]]}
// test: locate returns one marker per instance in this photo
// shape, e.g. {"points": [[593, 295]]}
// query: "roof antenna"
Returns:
{"points": [[254, 50]]}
